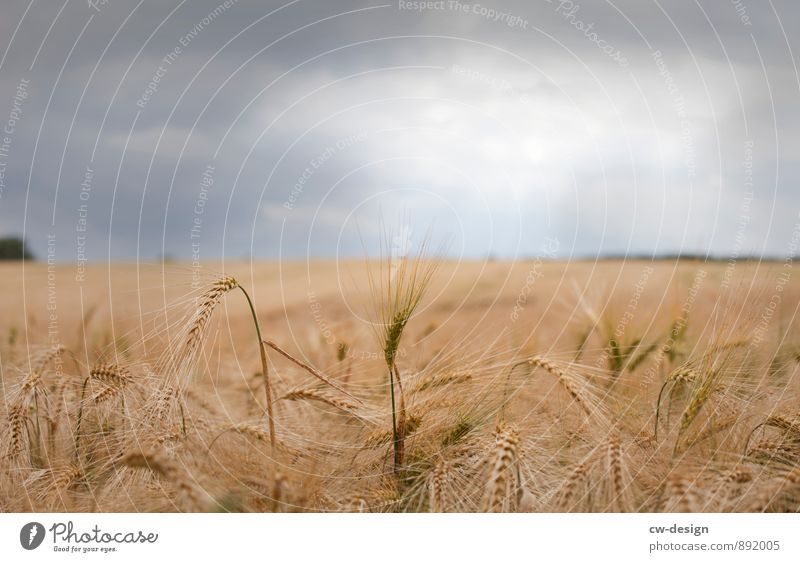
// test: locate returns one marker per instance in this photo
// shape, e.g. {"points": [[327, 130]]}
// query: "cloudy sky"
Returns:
{"points": [[135, 129]]}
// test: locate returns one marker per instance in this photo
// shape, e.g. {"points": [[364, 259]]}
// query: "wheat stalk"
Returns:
{"points": [[309, 369], [208, 302], [398, 294]]}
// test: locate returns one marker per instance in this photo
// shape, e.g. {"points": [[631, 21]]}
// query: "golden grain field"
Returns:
{"points": [[405, 385]]}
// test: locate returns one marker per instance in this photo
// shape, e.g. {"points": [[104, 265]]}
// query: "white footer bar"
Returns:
{"points": [[390, 537]]}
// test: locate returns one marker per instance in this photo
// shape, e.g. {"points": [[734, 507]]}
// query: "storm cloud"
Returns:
{"points": [[261, 129]]}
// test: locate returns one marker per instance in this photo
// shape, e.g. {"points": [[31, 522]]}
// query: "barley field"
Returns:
{"points": [[401, 385]]}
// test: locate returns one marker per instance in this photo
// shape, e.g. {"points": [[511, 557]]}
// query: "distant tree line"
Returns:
{"points": [[13, 248]]}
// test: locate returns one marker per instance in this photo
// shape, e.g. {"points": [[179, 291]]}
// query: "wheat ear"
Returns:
{"points": [[683, 375], [775, 488], [576, 477], [438, 486], [615, 467], [502, 476], [316, 395], [205, 308], [208, 302], [16, 422], [158, 463], [563, 378]]}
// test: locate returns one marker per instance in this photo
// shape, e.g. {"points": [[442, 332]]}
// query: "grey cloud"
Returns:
{"points": [[498, 134]]}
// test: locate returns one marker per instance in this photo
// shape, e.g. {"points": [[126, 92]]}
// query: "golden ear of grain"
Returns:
{"points": [[729, 485], [378, 438], [398, 294], [33, 379], [789, 424], [32, 388], [48, 486], [703, 389], [110, 374], [189, 494], [738, 476], [711, 429], [63, 479], [316, 395], [106, 394], [502, 485], [681, 494], [575, 479], [256, 432], [775, 489], [684, 375], [434, 381], [172, 435], [616, 472], [381, 437], [161, 403], [383, 497], [438, 487], [114, 377], [249, 430], [16, 422], [564, 379], [205, 308], [771, 451], [59, 402]]}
